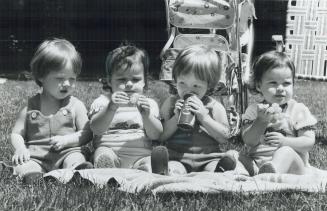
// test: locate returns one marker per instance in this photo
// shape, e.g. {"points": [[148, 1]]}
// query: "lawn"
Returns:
{"points": [[16, 196]]}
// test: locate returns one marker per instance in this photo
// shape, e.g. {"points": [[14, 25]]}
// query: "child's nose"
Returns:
{"points": [[129, 84], [280, 88], [66, 83]]}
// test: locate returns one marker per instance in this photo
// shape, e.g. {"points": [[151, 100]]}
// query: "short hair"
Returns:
{"points": [[266, 62], [123, 57], [202, 60], [53, 55]]}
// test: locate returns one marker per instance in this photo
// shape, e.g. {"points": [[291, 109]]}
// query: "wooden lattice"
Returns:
{"points": [[306, 37]]}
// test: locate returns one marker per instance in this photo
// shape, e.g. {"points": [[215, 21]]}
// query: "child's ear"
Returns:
{"points": [[107, 82], [258, 87], [41, 79]]}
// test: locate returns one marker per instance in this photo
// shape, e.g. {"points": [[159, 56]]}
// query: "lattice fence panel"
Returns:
{"points": [[306, 37]]}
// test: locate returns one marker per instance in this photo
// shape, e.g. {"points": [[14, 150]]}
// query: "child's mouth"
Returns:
{"points": [[64, 91], [279, 96]]}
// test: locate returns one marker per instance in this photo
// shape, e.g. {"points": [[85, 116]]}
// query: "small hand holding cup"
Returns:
{"points": [[186, 118], [197, 107], [178, 106]]}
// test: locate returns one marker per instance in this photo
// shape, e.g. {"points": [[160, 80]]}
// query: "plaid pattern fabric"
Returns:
{"points": [[306, 37]]}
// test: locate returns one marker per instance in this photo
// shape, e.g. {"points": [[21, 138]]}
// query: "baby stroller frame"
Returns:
{"points": [[187, 20]]}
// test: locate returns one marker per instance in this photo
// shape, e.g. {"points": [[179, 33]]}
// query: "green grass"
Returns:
{"points": [[16, 196]]}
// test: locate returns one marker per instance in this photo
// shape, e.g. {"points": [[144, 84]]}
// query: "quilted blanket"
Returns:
{"points": [[135, 181]]}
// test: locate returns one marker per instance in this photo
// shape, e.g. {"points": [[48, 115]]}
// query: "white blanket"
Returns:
{"points": [[135, 181]]}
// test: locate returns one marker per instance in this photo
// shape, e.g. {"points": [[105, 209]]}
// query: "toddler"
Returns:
{"points": [[125, 121], [278, 131], [50, 130], [196, 71]]}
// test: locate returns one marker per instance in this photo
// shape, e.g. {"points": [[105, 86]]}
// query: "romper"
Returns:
{"points": [[40, 129], [195, 148], [298, 117]]}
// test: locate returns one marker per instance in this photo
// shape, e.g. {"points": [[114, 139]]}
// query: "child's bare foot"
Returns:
{"points": [[104, 161], [84, 165], [227, 163], [267, 168]]}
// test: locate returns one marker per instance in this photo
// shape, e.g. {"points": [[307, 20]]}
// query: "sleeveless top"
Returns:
{"points": [[40, 129], [196, 141]]}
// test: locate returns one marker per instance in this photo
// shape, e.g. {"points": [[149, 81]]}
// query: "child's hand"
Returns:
{"points": [[197, 107], [279, 121], [275, 139], [119, 98], [58, 142], [143, 105], [20, 156], [264, 112], [178, 106]]}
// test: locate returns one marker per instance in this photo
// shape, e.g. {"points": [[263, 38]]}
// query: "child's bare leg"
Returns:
{"points": [[73, 160], [287, 160], [211, 166], [176, 168], [246, 165], [143, 164], [28, 167], [105, 157]]}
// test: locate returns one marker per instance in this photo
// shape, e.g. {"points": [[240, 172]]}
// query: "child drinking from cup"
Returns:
{"points": [[194, 145]]}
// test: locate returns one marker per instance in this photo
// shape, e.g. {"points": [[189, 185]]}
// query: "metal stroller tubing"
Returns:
{"points": [[224, 25]]}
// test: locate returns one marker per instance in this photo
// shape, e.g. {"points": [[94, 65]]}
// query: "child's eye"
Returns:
{"points": [[135, 80], [60, 79], [121, 79], [287, 83], [272, 82]]}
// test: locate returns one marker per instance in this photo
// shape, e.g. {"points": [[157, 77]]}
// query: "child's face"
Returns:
{"points": [[59, 84], [276, 85], [129, 81], [188, 83]]}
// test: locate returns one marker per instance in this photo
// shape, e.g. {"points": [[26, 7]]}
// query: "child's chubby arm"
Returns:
{"points": [[100, 121], [169, 122], [83, 132], [302, 121], [251, 133], [98, 104], [217, 125], [302, 143], [150, 115], [21, 153]]}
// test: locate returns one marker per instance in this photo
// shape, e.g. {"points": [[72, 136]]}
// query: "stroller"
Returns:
{"points": [[224, 25]]}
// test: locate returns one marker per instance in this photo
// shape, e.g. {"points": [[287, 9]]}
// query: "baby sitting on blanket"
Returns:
{"points": [[125, 121], [278, 132]]}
